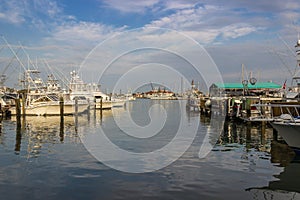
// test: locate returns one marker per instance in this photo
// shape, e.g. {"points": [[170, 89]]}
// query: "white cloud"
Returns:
{"points": [[131, 5], [178, 4], [199, 24], [45, 7], [35, 13], [237, 30], [82, 32], [12, 11]]}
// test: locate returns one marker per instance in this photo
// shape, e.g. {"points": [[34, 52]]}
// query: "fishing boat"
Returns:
{"points": [[102, 101], [118, 102], [288, 124], [78, 88], [289, 129], [50, 104], [293, 93], [47, 99]]}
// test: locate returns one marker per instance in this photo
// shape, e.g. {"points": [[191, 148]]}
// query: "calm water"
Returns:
{"points": [[44, 160]]}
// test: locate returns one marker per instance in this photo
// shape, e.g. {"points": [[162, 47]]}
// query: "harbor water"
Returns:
{"points": [[45, 158]]}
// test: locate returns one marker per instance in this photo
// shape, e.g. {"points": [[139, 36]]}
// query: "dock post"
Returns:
{"points": [[61, 108], [18, 138], [76, 105], [1, 118], [2, 113], [18, 111], [275, 134], [61, 113], [248, 135], [88, 111], [18, 129], [101, 107], [23, 105], [263, 132]]}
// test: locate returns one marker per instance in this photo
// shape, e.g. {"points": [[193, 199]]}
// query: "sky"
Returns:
{"points": [[105, 39]]}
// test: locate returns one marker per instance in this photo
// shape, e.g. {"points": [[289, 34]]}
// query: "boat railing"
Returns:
{"points": [[276, 110]]}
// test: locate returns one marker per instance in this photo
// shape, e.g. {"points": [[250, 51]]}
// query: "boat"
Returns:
{"points": [[288, 127], [288, 124], [78, 88], [293, 93], [194, 96], [102, 101], [118, 102], [41, 99], [130, 97], [50, 104]]}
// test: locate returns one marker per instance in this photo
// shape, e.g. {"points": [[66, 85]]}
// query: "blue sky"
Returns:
{"points": [[260, 34]]}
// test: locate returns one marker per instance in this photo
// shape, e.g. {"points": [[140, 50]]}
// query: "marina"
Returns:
{"points": [[163, 100], [241, 131], [45, 158]]}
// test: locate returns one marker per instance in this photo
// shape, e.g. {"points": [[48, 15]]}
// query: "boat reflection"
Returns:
{"points": [[36, 135], [252, 136], [287, 185]]}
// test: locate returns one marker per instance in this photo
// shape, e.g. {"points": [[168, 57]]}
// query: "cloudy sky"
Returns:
{"points": [[259, 34]]}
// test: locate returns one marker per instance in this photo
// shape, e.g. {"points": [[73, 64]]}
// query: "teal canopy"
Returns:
{"points": [[261, 85]]}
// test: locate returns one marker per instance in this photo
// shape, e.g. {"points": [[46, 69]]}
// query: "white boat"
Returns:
{"points": [[130, 97], [293, 92], [44, 99], [118, 102], [49, 104], [288, 124], [288, 128], [102, 101], [78, 88]]}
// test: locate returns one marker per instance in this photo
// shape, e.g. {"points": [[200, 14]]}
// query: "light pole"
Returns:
{"points": [[245, 85]]}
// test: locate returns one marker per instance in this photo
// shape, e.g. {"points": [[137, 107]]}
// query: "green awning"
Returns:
{"points": [[261, 85]]}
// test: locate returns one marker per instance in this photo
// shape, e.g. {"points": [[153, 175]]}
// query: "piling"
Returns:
{"points": [[275, 134], [263, 132], [1, 123], [88, 111], [18, 128], [61, 113], [23, 105], [18, 112], [76, 105], [18, 140], [1, 110], [101, 108], [248, 135], [61, 130], [61, 108]]}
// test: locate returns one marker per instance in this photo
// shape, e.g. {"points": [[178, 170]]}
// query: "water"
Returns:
{"points": [[44, 160]]}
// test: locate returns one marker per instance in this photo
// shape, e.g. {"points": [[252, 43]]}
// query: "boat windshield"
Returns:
{"points": [[80, 98], [53, 97]]}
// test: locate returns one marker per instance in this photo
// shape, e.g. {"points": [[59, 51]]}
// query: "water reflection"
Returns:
{"points": [[287, 185], [33, 133], [52, 159], [251, 136], [247, 147]]}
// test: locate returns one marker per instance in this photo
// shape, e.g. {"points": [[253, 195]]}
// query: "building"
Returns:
{"points": [[238, 89]]}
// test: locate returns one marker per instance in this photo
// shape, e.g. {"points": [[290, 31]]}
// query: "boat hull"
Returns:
{"points": [[53, 108], [290, 132], [105, 105]]}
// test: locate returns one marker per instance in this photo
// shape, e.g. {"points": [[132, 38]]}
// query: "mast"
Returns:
{"points": [[297, 46]]}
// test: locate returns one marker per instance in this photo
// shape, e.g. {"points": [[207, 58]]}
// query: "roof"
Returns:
{"points": [[261, 85]]}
